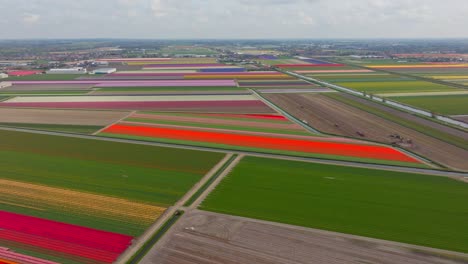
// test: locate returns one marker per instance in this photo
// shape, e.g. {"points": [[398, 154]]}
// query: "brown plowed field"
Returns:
{"points": [[208, 238], [60, 117], [333, 117]]}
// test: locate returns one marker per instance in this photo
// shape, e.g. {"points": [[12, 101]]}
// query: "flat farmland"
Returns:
{"points": [[45, 77], [379, 204], [441, 104], [264, 142], [243, 103], [247, 122], [60, 117], [334, 117], [114, 191], [74, 121], [396, 87], [203, 237]]}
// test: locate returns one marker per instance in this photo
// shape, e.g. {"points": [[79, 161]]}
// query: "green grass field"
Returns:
{"points": [[442, 104], [80, 129], [410, 208], [396, 86], [145, 174]]}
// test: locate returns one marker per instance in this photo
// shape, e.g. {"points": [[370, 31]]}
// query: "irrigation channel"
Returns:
{"points": [[380, 100]]}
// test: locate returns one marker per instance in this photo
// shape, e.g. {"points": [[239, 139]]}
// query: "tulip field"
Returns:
{"points": [[90, 162], [84, 201], [287, 140]]}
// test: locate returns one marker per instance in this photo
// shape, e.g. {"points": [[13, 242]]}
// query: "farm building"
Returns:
{"points": [[104, 71], [3, 75], [76, 70]]}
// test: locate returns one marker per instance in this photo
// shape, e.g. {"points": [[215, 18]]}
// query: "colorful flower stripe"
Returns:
{"points": [[44, 243], [418, 66], [173, 74], [249, 116], [334, 71], [8, 254], [23, 73], [223, 70], [135, 59], [130, 98], [83, 236], [308, 65], [150, 83], [4, 261], [315, 61], [61, 237], [285, 144], [185, 65], [175, 105]]}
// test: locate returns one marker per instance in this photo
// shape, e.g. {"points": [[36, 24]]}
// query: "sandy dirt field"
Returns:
{"points": [[48, 87], [333, 117], [61, 117], [208, 238]]}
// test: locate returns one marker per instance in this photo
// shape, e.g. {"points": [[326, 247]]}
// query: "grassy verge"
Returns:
{"points": [[140, 254], [210, 181]]}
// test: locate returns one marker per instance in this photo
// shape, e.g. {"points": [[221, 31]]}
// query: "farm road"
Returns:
{"points": [[169, 213]]}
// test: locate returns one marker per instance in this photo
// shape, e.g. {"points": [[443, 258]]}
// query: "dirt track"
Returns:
{"points": [[60, 117], [333, 117], [208, 238]]}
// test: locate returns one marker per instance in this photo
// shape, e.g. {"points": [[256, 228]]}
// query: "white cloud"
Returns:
{"points": [[29, 18], [235, 18]]}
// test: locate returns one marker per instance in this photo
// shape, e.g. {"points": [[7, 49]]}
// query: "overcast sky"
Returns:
{"points": [[162, 19]]}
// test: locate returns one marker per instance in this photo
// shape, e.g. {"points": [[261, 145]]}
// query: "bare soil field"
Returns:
{"points": [[48, 87], [203, 237], [60, 117], [333, 117], [410, 117]]}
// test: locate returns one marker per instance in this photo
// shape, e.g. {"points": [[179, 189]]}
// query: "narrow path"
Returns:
{"points": [[286, 114], [141, 240], [116, 122], [203, 196]]}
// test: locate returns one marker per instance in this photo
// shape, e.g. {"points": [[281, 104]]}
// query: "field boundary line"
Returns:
{"points": [[155, 238], [158, 224], [286, 114], [116, 122], [206, 183], [204, 180], [215, 183]]}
